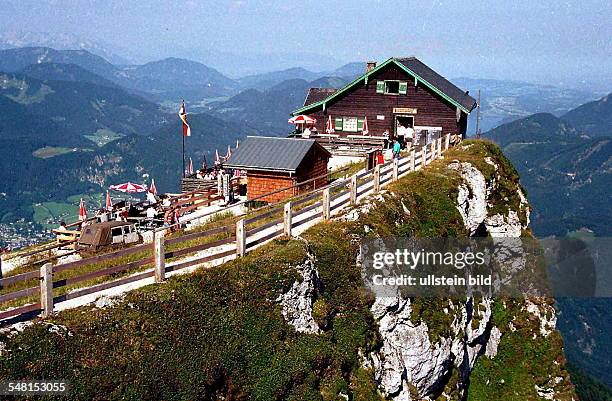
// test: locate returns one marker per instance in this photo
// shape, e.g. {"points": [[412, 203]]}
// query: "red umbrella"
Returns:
{"points": [[365, 126], [82, 211], [129, 187], [329, 127], [109, 202], [152, 187], [302, 119]]}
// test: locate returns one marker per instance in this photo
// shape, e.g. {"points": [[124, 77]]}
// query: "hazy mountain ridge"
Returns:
{"points": [[504, 101], [266, 112], [166, 79], [59, 41], [64, 72], [82, 106], [566, 172], [593, 118], [568, 175]]}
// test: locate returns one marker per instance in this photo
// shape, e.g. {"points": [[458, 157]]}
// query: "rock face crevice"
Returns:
{"points": [[298, 301], [409, 366]]}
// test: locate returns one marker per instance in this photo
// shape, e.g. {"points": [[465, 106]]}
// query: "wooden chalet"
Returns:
{"points": [[397, 94], [272, 164]]}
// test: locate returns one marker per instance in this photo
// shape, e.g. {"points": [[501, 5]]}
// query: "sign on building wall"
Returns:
{"points": [[404, 110]]}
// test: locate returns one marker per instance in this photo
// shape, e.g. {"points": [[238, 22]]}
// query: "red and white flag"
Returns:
{"points": [[237, 143], [229, 152], [183, 117], [365, 126], [329, 128], [217, 158], [82, 211], [152, 187], [190, 167], [109, 202]]}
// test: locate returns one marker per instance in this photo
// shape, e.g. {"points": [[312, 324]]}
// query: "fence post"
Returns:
{"points": [[287, 219], [376, 176], [159, 250], [446, 141], [439, 146], [413, 160], [424, 156], [326, 204], [396, 169], [240, 238], [353, 189], [46, 289]]}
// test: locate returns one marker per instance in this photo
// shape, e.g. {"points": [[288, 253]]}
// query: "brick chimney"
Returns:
{"points": [[370, 65]]}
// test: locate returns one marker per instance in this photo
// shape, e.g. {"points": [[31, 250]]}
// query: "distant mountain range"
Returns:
{"points": [[346, 73], [266, 111], [565, 164], [165, 80], [59, 41], [506, 101]]}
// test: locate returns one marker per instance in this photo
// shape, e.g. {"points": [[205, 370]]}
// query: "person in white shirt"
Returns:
{"points": [[151, 213]]}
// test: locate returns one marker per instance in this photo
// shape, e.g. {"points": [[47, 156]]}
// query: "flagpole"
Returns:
{"points": [[183, 136]]}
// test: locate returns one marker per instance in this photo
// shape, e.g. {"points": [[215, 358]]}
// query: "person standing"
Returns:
{"points": [[397, 147]]}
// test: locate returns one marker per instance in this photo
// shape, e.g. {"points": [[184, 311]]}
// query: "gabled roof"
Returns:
{"points": [[437, 80], [317, 94], [272, 154], [421, 72]]}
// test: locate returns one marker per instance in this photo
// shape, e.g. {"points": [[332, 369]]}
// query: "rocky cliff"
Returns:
{"points": [[294, 321]]}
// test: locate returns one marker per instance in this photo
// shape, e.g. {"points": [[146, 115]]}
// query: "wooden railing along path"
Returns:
{"points": [[52, 285]]}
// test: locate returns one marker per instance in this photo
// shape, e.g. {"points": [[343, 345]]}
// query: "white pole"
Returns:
{"points": [[326, 204], [46, 289], [240, 238], [287, 219], [160, 256]]}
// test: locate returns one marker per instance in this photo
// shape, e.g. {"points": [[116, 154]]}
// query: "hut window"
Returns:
{"points": [[392, 87], [350, 124]]}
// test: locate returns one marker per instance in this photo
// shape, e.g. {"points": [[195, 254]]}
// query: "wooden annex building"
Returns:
{"points": [[276, 163], [398, 94]]}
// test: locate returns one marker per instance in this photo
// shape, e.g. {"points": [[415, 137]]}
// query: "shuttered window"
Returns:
{"points": [[380, 86], [359, 124], [338, 124], [403, 88]]}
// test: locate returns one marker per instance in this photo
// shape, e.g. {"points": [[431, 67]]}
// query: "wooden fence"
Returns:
{"points": [[53, 284]]}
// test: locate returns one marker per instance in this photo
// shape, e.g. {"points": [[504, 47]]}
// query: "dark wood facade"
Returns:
{"points": [[426, 107]]}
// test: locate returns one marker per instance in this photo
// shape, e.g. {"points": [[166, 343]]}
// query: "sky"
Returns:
{"points": [[542, 41]]}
